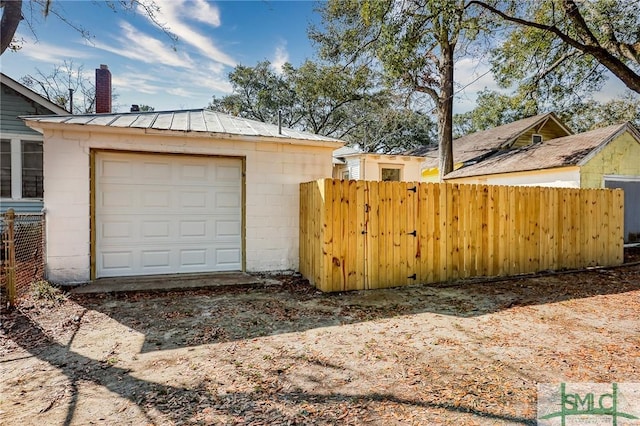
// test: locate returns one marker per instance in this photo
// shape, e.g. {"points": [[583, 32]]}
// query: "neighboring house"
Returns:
{"points": [[350, 163], [477, 146], [21, 180], [603, 158], [151, 193]]}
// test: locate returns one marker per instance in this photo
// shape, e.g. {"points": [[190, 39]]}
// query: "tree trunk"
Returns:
{"points": [[445, 113], [11, 17]]}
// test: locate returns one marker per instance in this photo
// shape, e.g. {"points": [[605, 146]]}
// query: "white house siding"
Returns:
{"points": [[353, 165], [273, 173], [567, 177]]}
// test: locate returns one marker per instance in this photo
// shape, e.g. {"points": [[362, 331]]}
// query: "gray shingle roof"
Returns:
{"points": [[197, 120], [561, 152], [482, 143]]}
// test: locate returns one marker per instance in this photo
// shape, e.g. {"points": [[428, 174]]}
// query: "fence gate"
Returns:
{"points": [[391, 236], [358, 235]]}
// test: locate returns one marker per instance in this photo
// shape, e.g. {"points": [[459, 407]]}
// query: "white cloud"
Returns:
{"points": [[471, 77], [174, 15], [202, 11], [143, 83], [45, 52], [280, 57], [142, 47]]}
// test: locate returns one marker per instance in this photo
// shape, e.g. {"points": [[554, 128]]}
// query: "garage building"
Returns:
{"points": [[195, 191]]}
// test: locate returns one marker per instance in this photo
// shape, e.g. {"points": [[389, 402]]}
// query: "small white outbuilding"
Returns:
{"points": [[147, 193]]}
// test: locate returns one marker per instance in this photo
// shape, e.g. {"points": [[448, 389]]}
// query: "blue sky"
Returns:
{"points": [[213, 38]]}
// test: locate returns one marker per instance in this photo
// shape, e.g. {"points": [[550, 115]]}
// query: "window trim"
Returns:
{"points": [[393, 167], [16, 163]]}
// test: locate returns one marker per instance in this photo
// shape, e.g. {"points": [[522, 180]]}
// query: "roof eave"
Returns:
{"points": [[41, 126], [481, 174]]}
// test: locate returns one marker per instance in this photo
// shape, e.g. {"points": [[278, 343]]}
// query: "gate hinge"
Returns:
{"points": [[414, 233], [413, 277], [414, 189]]}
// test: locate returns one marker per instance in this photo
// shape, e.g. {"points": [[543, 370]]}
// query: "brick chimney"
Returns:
{"points": [[103, 90]]}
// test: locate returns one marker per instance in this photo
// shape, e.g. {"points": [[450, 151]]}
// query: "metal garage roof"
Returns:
{"points": [[197, 120]]}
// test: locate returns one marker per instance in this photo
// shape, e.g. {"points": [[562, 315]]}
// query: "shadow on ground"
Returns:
{"points": [[177, 319], [199, 404]]}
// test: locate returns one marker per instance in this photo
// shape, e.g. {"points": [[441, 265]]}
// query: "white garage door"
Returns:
{"points": [[163, 214]]}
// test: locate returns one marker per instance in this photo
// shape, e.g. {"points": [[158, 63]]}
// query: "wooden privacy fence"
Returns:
{"points": [[358, 235]]}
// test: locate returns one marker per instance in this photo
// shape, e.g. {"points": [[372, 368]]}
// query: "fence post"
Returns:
{"points": [[10, 216]]}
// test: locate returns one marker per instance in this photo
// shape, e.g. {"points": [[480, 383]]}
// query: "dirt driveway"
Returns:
{"points": [[286, 354]]}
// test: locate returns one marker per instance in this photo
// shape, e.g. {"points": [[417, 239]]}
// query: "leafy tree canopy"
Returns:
{"points": [[555, 50], [413, 42], [327, 99]]}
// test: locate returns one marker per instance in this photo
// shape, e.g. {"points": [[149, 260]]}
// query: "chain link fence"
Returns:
{"points": [[22, 254]]}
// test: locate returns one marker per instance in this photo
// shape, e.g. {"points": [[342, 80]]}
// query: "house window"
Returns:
{"points": [[5, 168], [21, 168], [345, 175], [536, 138], [388, 174], [32, 182]]}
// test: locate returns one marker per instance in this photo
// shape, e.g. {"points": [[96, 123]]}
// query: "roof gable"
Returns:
{"points": [[31, 95], [477, 145], [573, 150]]}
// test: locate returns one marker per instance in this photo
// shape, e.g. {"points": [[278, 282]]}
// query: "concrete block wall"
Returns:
{"points": [[273, 172]]}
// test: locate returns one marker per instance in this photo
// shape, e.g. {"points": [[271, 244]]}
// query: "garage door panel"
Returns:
{"points": [[191, 199], [116, 198], [227, 200], [155, 228], [228, 229], [228, 174], [194, 172], [116, 261], [119, 170], [227, 258], [193, 228], [193, 257], [155, 258], [169, 215], [117, 229], [156, 171], [155, 198]]}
